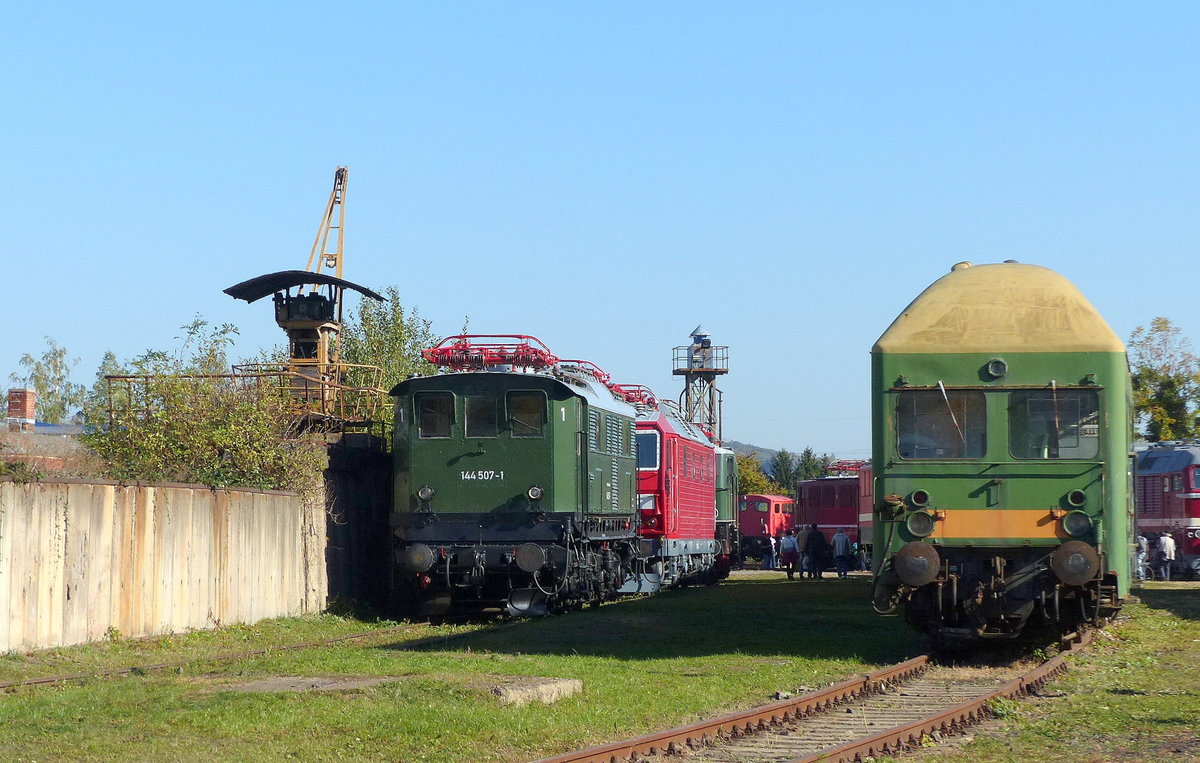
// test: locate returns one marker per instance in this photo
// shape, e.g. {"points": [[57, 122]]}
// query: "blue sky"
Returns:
{"points": [[602, 175]]}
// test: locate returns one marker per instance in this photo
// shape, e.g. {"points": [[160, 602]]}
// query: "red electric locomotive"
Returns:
{"points": [[1167, 498], [677, 487], [763, 516], [841, 501]]}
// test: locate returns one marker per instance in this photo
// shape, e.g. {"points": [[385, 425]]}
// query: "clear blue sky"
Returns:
{"points": [[602, 175]]}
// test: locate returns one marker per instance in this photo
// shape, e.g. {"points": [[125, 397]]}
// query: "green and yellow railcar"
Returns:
{"points": [[1001, 445]]}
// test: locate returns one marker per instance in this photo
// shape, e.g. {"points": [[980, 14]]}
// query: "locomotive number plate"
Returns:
{"points": [[482, 474]]}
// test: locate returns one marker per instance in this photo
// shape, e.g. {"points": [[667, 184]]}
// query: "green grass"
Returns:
{"points": [[1134, 695], [645, 664]]}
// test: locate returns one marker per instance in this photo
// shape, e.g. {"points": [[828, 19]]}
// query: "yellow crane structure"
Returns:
{"points": [[324, 390]]}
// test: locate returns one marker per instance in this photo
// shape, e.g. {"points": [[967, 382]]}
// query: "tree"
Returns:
{"points": [[386, 335], [50, 377], [812, 466], [751, 478], [785, 470], [1166, 385]]}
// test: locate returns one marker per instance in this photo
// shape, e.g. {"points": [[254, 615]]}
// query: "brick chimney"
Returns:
{"points": [[22, 407]]}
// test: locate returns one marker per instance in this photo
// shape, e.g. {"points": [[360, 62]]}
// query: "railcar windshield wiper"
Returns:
{"points": [[950, 408]]}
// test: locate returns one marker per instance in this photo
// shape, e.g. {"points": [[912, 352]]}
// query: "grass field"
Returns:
{"points": [[645, 664]]}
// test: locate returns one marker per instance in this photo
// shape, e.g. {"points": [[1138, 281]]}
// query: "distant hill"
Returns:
{"points": [[745, 449]]}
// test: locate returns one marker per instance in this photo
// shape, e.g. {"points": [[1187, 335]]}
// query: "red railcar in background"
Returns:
{"points": [[1167, 499], [841, 501], [762, 516]]}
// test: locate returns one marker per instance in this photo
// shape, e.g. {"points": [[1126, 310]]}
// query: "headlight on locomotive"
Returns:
{"points": [[920, 523], [1075, 562], [535, 493], [425, 493], [917, 563], [1076, 523]]}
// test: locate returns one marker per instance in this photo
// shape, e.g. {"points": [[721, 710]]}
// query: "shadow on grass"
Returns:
{"points": [[830, 619], [1181, 602]]}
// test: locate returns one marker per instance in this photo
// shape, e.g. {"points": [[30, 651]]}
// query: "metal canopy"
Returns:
{"points": [[261, 286]]}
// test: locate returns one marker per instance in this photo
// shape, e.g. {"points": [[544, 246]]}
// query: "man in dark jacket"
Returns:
{"points": [[817, 549]]}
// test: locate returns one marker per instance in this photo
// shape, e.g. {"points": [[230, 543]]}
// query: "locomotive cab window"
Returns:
{"points": [[761, 506], [482, 418], [435, 414], [1054, 423], [526, 414], [647, 451], [941, 423]]}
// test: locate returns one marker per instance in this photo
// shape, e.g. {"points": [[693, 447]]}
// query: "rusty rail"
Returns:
{"points": [[890, 741], [950, 721], [745, 721]]}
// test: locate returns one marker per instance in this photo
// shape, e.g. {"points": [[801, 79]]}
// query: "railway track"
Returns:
{"points": [[875, 714]]}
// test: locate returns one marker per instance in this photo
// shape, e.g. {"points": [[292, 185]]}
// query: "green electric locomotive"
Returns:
{"points": [[514, 481], [1001, 446]]}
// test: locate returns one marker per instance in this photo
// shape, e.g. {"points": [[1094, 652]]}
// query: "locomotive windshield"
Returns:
{"points": [[435, 413], [526, 413], [1054, 423], [941, 423], [481, 417]]}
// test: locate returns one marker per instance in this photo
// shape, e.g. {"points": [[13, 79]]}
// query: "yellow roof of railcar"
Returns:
{"points": [[1003, 307]]}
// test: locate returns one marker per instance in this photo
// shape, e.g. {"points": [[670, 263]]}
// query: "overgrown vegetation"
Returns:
{"points": [[181, 417], [387, 335]]}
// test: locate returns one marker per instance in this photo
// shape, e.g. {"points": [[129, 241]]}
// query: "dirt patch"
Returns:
{"points": [[313, 683]]}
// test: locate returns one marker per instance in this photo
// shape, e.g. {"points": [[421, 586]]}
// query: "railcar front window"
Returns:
{"points": [[761, 506], [481, 417], [526, 414], [941, 423], [435, 414], [1196, 479], [647, 451], [1054, 423]]}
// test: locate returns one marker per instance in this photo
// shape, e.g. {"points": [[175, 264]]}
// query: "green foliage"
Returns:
{"points": [[1166, 382], [50, 377], [784, 469], [184, 419], [812, 466], [386, 335], [751, 478]]}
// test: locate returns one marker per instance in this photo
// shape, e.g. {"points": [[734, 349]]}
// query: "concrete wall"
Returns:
{"points": [[79, 558]]}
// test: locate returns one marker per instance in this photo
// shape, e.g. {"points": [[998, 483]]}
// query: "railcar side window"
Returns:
{"points": [[1196, 479], [647, 452], [526, 414], [1054, 423], [761, 506], [435, 414], [482, 420], [941, 423]]}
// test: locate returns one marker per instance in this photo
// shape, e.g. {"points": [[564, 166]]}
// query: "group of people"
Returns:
{"points": [[1155, 551], [808, 552]]}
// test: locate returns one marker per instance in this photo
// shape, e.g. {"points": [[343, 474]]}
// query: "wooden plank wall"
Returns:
{"points": [[77, 559]]}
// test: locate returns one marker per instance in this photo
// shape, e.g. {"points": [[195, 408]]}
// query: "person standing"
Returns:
{"points": [[816, 548], [841, 552], [789, 554], [769, 554], [1143, 548], [1166, 554], [802, 547]]}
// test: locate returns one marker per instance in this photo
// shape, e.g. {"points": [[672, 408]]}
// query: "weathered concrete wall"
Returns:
{"points": [[79, 558]]}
